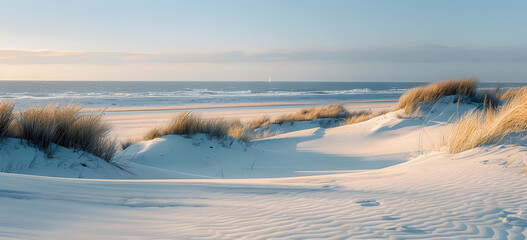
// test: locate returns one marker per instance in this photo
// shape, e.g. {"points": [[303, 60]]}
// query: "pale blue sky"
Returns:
{"points": [[249, 40]]}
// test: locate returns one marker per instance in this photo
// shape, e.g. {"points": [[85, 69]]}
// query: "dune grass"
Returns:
{"points": [[6, 117], [129, 141], [37, 125], [332, 111], [512, 92], [361, 116], [239, 131], [308, 114], [489, 126], [410, 101], [189, 123], [261, 121], [66, 127]]}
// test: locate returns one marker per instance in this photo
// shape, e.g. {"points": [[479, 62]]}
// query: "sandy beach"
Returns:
{"points": [[381, 178], [263, 120]]}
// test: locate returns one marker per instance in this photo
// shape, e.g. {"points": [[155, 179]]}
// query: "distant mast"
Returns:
{"points": [[269, 79]]}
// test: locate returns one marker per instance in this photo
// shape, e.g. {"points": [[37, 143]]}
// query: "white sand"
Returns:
{"points": [[263, 191]]}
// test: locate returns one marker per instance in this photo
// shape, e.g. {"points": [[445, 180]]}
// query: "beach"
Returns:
{"points": [[263, 120], [376, 179], [365, 170]]}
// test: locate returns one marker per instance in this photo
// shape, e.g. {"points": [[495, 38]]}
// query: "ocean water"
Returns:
{"points": [[102, 94]]}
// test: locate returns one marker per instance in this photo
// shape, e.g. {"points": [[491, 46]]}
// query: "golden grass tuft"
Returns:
{"points": [[154, 133], [261, 121], [65, 126], [512, 92], [65, 120], [484, 127], [129, 141], [239, 131], [189, 123], [361, 116], [6, 117], [331, 111], [433, 92], [36, 125], [91, 134]]}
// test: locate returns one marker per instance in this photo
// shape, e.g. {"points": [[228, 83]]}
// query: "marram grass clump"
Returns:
{"points": [[410, 101], [261, 121], [490, 126], [512, 92], [331, 111], [189, 123], [334, 111], [6, 118], [361, 116], [66, 127]]}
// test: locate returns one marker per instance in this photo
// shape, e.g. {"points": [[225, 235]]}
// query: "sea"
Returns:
{"points": [[113, 94]]}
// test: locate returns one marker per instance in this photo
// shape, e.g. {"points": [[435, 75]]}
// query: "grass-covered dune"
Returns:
{"points": [[501, 112], [189, 123], [63, 126], [410, 100], [490, 126], [378, 175], [68, 127]]}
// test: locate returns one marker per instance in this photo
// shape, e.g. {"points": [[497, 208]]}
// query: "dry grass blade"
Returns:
{"points": [[239, 131], [65, 119], [65, 127], [490, 127], [433, 92], [37, 125], [261, 121], [356, 117], [189, 123], [512, 92], [91, 134], [129, 141], [308, 114], [6, 117]]}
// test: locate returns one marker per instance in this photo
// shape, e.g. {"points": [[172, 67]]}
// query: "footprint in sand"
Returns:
{"points": [[369, 203], [407, 229], [389, 218], [515, 220]]}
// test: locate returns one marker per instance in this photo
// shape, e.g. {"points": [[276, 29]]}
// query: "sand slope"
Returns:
{"points": [[384, 178], [464, 196]]}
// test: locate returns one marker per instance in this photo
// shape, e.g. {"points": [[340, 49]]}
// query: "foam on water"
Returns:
{"points": [[144, 94]]}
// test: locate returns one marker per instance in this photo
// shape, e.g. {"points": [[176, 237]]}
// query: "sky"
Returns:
{"points": [[304, 40]]}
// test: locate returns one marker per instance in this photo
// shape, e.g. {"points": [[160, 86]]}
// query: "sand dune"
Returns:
{"points": [[464, 196], [131, 123], [378, 179]]}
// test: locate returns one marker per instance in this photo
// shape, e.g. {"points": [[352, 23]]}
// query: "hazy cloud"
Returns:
{"points": [[416, 54]]}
